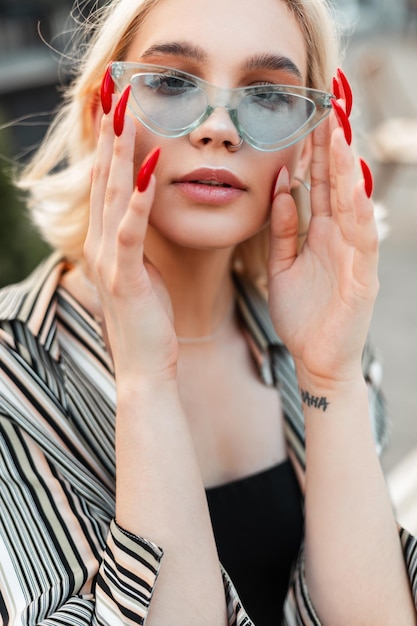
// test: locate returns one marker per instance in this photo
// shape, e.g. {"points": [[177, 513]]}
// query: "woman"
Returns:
{"points": [[141, 442]]}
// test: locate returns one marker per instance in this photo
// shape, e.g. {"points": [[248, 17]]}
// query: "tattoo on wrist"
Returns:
{"points": [[317, 402]]}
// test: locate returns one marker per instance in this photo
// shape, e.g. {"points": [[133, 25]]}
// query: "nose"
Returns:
{"points": [[217, 131]]}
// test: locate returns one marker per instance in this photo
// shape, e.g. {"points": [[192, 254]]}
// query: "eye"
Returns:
{"points": [[273, 100], [168, 85]]}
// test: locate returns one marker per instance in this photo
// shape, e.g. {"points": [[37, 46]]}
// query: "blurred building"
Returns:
{"points": [[370, 16], [33, 37]]}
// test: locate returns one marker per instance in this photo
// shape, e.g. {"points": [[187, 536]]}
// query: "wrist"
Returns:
{"points": [[325, 395], [139, 390], [339, 380]]}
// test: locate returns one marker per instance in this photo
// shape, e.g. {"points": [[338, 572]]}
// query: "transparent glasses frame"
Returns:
{"points": [[123, 72]]}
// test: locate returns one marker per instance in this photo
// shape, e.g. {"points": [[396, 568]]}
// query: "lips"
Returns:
{"points": [[212, 177], [211, 183], [210, 186]]}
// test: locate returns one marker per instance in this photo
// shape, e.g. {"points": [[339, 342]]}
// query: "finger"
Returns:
{"points": [[119, 186], [284, 226], [99, 177], [346, 91], [319, 170], [342, 182], [131, 237], [365, 264], [133, 226]]}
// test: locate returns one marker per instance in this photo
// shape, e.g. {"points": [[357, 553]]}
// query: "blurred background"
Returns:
{"points": [[380, 39]]}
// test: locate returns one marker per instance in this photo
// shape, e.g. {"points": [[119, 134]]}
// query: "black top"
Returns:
{"points": [[258, 526]]}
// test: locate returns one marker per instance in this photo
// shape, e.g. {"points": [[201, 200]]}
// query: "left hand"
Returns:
{"points": [[321, 300]]}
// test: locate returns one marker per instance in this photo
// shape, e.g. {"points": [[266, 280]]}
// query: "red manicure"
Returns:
{"points": [[107, 90], [119, 112], [347, 90], [343, 121], [147, 169], [336, 89], [367, 176]]}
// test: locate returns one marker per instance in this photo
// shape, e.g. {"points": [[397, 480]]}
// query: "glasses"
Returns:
{"points": [[172, 104]]}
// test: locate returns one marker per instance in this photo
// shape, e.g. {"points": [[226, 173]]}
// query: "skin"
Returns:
{"points": [[160, 425]]}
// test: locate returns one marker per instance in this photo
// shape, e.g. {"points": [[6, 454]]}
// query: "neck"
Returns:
{"points": [[199, 284]]}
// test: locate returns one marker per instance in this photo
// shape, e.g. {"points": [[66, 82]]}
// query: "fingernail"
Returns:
{"points": [[336, 89], [367, 176], [282, 183], [343, 121], [107, 90], [119, 112], [347, 90], [147, 169]]}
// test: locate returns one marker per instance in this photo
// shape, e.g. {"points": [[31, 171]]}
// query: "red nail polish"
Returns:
{"points": [[347, 90], [107, 90], [343, 121], [119, 112], [367, 176], [147, 169], [336, 89]]}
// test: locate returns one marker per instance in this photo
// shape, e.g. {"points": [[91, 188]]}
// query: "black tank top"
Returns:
{"points": [[258, 526]]}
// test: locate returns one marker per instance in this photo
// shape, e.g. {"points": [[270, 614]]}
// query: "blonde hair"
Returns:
{"points": [[57, 179]]}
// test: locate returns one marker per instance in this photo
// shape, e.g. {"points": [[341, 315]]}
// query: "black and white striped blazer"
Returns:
{"points": [[63, 558]]}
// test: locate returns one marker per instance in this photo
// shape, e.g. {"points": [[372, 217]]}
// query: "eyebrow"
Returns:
{"points": [[176, 48], [261, 61], [267, 61]]}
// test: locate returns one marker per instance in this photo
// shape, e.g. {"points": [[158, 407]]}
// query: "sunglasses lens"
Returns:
{"points": [[270, 117], [169, 102]]}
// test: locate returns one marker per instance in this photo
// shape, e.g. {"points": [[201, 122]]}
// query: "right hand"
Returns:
{"points": [[136, 306]]}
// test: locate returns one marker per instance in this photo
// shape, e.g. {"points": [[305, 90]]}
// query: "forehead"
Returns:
{"points": [[227, 31]]}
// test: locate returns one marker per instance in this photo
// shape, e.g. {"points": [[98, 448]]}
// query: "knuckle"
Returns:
{"points": [[333, 181], [119, 149], [99, 172], [114, 193], [126, 237]]}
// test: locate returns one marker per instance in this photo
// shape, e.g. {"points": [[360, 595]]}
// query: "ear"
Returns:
{"points": [[304, 161]]}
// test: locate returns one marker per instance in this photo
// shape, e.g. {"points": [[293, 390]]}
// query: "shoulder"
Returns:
{"points": [[26, 307], [21, 300]]}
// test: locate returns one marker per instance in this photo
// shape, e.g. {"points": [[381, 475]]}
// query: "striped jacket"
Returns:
{"points": [[63, 558]]}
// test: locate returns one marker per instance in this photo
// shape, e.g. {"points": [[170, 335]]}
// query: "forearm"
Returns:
{"points": [[160, 495], [354, 564]]}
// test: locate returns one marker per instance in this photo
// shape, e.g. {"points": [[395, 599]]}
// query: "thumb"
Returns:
{"points": [[284, 225]]}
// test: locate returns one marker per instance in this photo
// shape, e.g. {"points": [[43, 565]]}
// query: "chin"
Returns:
{"points": [[212, 231], [206, 227]]}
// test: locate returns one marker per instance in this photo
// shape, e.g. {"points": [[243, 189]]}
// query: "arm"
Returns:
{"points": [[354, 567], [63, 560], [159, 491], [159, 494], [53, 533]]}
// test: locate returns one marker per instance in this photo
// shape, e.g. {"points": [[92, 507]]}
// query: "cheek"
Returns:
{"points": [[145, 142], [140, 155]]}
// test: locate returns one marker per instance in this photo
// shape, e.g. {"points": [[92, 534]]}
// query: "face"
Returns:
{"points": [[237, 43]]}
